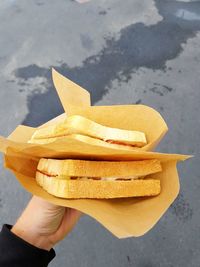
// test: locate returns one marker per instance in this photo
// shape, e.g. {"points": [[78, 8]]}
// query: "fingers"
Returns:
{"points": [[70, 218], [77, 213], [42, 203]]}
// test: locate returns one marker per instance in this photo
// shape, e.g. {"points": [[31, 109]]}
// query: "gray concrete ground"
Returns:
{"points": [[123, 52]]}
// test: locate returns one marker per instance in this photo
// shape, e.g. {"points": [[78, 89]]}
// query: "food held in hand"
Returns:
{"points": [[80, 127], [71, 178]]}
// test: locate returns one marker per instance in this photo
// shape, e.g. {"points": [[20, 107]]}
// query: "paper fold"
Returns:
{"points": [[122, 217], [70, 93]]}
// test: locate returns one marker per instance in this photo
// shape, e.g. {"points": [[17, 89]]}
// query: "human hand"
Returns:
{"points": [[43, 224]]}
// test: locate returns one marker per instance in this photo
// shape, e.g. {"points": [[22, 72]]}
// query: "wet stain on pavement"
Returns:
{"points": [[86, 41], [102, 12], [22, 83], [39, 4], [129, 260], [139, 101], [180, 12], [32, 71], [139, 45], [43, 107], [181, 209], [161, 89]]}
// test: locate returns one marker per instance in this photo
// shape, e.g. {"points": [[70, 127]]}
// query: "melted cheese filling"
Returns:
{"points": [[126, 178]]}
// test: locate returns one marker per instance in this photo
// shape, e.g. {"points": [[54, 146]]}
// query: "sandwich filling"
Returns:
{"points": [[108, 141], [121, 143], [84, 178]]}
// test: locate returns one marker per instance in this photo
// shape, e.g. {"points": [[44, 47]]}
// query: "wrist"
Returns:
{"points": [[28, 235]]}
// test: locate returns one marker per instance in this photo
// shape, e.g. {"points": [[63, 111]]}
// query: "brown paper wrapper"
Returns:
{"points": [[123, 217]]}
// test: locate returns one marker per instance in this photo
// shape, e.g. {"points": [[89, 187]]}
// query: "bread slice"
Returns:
{"points": [[98, 179], [73, 189], [79, 125], [88, 168], [85, 139]]}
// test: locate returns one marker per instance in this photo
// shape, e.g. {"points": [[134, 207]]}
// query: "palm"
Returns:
{"points": [[55, 221]]}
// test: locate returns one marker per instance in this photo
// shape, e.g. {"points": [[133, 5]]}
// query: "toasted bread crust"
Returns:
{"points": [[70, 167], [98, 189], [80, 125]]}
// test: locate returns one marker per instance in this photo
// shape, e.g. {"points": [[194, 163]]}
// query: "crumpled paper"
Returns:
{"points": [[123, 217]]}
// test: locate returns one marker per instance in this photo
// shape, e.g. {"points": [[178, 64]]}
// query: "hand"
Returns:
{"points": [[43, 224]]}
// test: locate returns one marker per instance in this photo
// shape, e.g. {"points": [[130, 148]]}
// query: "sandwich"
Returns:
{"points": [[76, 179], [81, 128]]}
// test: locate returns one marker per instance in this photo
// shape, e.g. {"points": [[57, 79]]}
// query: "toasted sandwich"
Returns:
{"points": [[75, 179], [81, 126]]}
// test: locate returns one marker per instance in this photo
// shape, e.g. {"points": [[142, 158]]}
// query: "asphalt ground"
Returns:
{"points": [[123, 52]]}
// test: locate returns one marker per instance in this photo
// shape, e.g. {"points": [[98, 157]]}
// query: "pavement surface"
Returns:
{"points": [[122, 52]]}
